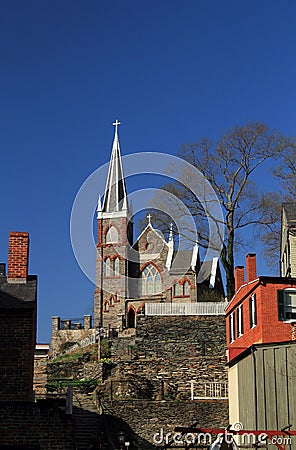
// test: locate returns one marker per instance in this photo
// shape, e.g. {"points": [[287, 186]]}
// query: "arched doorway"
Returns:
{"points": [[131, 318]]}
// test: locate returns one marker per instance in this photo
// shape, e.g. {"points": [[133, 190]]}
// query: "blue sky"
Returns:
{"points": [[171, 71]]}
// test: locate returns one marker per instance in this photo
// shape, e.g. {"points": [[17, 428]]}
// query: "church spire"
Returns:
{"points": [[115, 198]]}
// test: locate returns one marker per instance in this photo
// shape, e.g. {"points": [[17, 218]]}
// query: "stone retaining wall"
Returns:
{"points": [[149, 421]]}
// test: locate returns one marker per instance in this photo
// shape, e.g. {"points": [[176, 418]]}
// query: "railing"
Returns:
{"points": [[88, 340], [186, 309], [72, 324], [209, 390]]}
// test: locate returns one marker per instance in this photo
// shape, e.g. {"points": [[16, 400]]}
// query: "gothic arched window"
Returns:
{"points": [[116, 266], [107, 267], [106, 306], [176, 289], [186, 288], [151, 281], [112, 235]]}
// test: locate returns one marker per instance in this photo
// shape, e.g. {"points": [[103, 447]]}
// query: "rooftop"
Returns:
{"points": [[290, 212], [18, 295]]}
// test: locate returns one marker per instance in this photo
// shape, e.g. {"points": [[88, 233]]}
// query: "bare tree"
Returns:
{"points": [[272, 202], [229, 166], [286, 174]]}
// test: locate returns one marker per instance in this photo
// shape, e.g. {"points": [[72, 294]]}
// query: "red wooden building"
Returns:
{"points": [[262, 310]]}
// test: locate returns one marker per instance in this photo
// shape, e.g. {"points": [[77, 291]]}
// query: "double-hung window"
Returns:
{"points": [[253, 311], [287, 304], [240, 321], [231, 327]]}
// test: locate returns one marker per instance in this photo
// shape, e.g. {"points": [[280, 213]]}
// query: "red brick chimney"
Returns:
{"points": [[251, 267], [239, 277], [18, 257]]}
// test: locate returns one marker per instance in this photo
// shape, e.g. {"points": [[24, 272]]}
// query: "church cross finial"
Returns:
{"points": [[171, 232], [149, 219], [116, 123]]}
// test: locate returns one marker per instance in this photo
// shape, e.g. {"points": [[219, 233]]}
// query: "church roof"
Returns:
{"points": [[208, 271], [184, 260], [115, 198], [290, 212], [149, 226]]}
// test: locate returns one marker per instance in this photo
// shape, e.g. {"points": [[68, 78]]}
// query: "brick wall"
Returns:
{"points": [[42, 425], [40, 377], [111, 290], [17, 323], [17, 337], [268, 328]]}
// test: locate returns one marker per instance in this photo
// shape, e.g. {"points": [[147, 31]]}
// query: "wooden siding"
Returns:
{"points": [[275, 388], [292, 240]]}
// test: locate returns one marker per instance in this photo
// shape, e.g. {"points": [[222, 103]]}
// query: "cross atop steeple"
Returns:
{"points": [[149, 219], [116, 124]]}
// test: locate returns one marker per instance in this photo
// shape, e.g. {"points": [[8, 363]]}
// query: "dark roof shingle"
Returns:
{"points": [[290, 212]]}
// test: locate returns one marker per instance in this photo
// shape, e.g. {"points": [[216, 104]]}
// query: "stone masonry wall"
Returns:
{"points": [[59, 336], [148, 387], [149, 422], [169, 353], [74, 370], [145, 384]]}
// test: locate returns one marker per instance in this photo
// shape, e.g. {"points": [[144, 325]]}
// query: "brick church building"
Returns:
{"points": [[130, 273]]}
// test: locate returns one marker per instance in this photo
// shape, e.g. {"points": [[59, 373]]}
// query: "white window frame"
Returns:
{"points": [[253, 312], [289, 307], [231, 327], [240, 330]]}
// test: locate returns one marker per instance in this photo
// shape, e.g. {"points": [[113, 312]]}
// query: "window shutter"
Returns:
{"points": [[281, 305]]}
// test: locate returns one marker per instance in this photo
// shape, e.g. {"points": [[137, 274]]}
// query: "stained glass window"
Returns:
{"points": [[151, 281]]}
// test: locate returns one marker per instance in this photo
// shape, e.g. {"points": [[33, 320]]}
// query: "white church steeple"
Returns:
{"points": [[115, 198]]}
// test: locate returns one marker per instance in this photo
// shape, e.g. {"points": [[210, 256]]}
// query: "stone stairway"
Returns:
{"points": [[87, 423], [122, 348], [90, 426]]}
